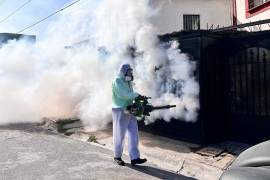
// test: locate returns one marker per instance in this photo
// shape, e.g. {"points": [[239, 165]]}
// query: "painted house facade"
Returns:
{"points": [[177, 15]]}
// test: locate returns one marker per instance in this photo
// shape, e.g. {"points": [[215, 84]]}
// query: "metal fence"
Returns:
{"points": [[250, 82]]}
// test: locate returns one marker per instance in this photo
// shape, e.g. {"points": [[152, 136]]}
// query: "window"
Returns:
{"points": [[254, 7], [256, 3], [191, 22]]}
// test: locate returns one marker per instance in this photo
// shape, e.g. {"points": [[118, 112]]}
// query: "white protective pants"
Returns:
{"points": [[123, 122]]}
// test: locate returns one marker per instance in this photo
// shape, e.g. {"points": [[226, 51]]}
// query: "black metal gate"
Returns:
{"points": [[249, 72], [248, 80]]}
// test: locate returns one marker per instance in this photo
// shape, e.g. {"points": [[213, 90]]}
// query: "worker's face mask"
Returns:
{"points": [[129, 75]]}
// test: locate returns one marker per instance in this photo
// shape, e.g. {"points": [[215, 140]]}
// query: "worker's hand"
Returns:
{"points": [[141, 97]]}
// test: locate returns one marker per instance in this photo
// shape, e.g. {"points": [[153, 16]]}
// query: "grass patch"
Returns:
{"points": [[92, 138]]}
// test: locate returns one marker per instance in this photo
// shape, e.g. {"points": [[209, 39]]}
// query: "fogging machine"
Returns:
{"points": [[140, 107]]}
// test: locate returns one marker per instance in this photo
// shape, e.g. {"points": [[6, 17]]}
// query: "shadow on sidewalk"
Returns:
{"points": [[159, 173]]}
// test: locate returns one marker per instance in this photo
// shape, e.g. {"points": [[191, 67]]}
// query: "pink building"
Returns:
{"points": [[246, 11]]}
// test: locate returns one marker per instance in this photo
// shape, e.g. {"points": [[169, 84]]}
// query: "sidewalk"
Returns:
{"points": [[29, 152], [206, 163]]}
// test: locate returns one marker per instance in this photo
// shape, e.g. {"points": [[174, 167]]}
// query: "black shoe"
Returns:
{"points": [[119, 161], [138, 161]]}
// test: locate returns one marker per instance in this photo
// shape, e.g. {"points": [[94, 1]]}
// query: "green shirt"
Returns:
{"points": [[122, 92]]}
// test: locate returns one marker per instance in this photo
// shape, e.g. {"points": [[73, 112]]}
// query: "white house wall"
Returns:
{"points": [[170, 16], [241, 16]]}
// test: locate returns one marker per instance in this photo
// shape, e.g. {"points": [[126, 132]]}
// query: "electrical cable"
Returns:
{"points": [[16, 10], [43, 19]]}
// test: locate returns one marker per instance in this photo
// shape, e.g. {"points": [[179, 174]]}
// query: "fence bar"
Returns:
{"points": [[235, 83], [252, 82], [265, 83], [240, 59], [259, 81], [247, 82]]}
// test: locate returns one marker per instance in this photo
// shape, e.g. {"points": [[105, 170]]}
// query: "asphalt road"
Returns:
{"points": [[30, 153]]}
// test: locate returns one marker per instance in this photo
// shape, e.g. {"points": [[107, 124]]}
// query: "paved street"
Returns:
{"points": [[28, 152]]}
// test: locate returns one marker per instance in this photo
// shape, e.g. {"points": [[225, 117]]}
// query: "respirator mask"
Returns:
{"points": [[129, 75]]}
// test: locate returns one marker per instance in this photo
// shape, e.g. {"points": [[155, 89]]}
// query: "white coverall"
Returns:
{"points": [[121, 123], [123, 95]]}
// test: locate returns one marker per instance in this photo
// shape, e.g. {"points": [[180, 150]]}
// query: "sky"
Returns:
{"points": [[29, 14]]}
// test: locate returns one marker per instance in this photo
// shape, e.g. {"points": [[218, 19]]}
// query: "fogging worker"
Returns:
{"points": [[122, 96]]}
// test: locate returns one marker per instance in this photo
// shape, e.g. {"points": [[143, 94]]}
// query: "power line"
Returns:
{"points": [[16, 10], [43, 19]]}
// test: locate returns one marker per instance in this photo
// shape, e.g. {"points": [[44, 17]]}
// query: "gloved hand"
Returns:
{"points": [[141, 97]]}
